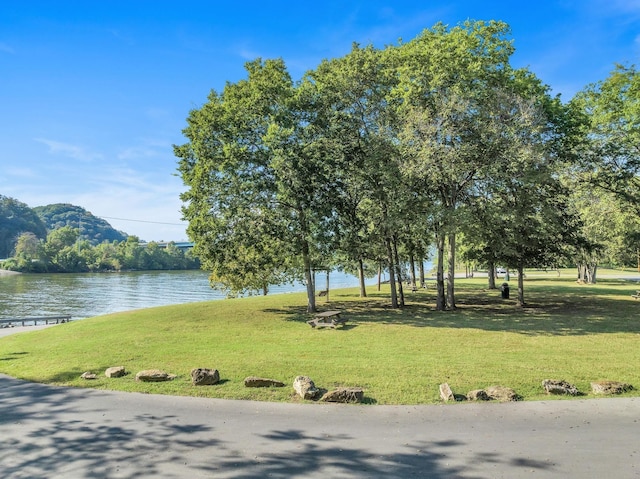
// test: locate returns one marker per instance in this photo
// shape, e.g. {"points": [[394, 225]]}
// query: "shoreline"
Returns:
{"points": [[22, 329], [7, 272]]}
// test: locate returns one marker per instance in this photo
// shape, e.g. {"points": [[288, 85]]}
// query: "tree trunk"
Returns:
{"points": [[521, 286], [451, 274], [491, 275], [363, 288], [413, 271], [440, 296], [392, 276], [396, 259], [308, 277], [327, 285], [581, 273], [379, 274], [421, 270], [592, 270], [587, 272]]}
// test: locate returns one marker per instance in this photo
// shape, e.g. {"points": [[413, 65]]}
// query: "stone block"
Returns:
{"points": [[205, 377], [305, 387], [610, 387], [255, 382], [154, 375], [344, 395], [115, 372]]}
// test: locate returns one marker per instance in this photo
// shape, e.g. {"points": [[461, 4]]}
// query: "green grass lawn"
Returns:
{"points": [[579, 333]]}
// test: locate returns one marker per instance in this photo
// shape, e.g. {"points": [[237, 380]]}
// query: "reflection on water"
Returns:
{"points": [[94, 294]]}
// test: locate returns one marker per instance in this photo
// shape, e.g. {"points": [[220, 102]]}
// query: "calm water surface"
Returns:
{"points": [[86, 295]]}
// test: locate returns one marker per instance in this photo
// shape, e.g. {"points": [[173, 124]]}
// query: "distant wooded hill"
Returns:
{"points": [[17, 218], [93, 229]]}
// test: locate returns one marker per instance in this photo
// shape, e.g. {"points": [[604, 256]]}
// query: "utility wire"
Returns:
{"points": [[140, 221]]}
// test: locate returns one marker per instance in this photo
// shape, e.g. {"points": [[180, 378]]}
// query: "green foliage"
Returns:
{"points": [[609, 151], [17, 218], [93, 229], [376, 155], [573, 332], [257, 202], [64, 252]]}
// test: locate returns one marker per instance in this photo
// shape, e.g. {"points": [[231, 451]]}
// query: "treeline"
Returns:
{"points": [[384, 155], [64, 252]]}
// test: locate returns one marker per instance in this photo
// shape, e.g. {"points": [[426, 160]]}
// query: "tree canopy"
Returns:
{"points": [[382, 153]]}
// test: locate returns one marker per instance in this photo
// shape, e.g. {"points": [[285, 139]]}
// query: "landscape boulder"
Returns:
{"points": [[154, 375], [254, 382], [115, 372], [610, 387], [446, 393], [478, 395], [204, 376], [344, 395], [88, 375], [501, 393], [305, 387], [560, 387]]}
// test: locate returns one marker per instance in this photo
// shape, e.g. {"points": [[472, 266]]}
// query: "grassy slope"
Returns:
{"points": [[573, 332]]}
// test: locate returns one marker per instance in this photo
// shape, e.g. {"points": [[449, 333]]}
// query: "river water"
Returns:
{"points": [[93, 294]]}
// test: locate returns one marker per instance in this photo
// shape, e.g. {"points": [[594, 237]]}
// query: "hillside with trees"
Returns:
{"points": [[92, 229], [63, 238], [17, 218]]}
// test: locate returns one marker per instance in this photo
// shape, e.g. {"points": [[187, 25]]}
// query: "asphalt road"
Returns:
{"points": [[54, 432]]}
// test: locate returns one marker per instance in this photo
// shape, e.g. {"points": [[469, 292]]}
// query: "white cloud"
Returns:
{"points": [[137, 205], [69, 150], [601, 9], [6, 48], [247, 53], [149, 148], [136, 152], [158, 113], [18, 172]]}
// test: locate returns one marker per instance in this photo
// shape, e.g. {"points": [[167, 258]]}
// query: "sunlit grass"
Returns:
{"points": [[574, 332]]}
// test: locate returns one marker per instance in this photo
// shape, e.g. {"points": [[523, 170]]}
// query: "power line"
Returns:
{"points": [[140, 221]]}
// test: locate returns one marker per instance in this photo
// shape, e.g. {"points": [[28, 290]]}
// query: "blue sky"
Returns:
{"points": [[93, 94]]}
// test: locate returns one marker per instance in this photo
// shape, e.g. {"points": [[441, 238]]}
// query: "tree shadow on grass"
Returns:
{"points": [[13, 356], [559, 311]]}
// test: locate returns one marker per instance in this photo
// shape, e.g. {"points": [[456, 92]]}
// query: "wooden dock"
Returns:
{"points": [[64, 318]]}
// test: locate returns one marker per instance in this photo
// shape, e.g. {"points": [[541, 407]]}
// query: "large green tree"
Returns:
{"points": [[449, 79], [258, 189], [611, 148], [359, 126]]}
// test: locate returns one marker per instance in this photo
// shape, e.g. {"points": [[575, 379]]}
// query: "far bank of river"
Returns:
{"points": [[93, 294]]}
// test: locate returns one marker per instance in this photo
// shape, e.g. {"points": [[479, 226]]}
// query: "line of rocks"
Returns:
{"points": [[550, 386], [303, 385], [307, 390]]}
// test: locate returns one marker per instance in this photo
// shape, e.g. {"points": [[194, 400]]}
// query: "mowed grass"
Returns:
{"points": [[579, 333]]}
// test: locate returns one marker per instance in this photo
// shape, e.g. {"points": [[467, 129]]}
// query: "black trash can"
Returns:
{"points": [[505, 290]]}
